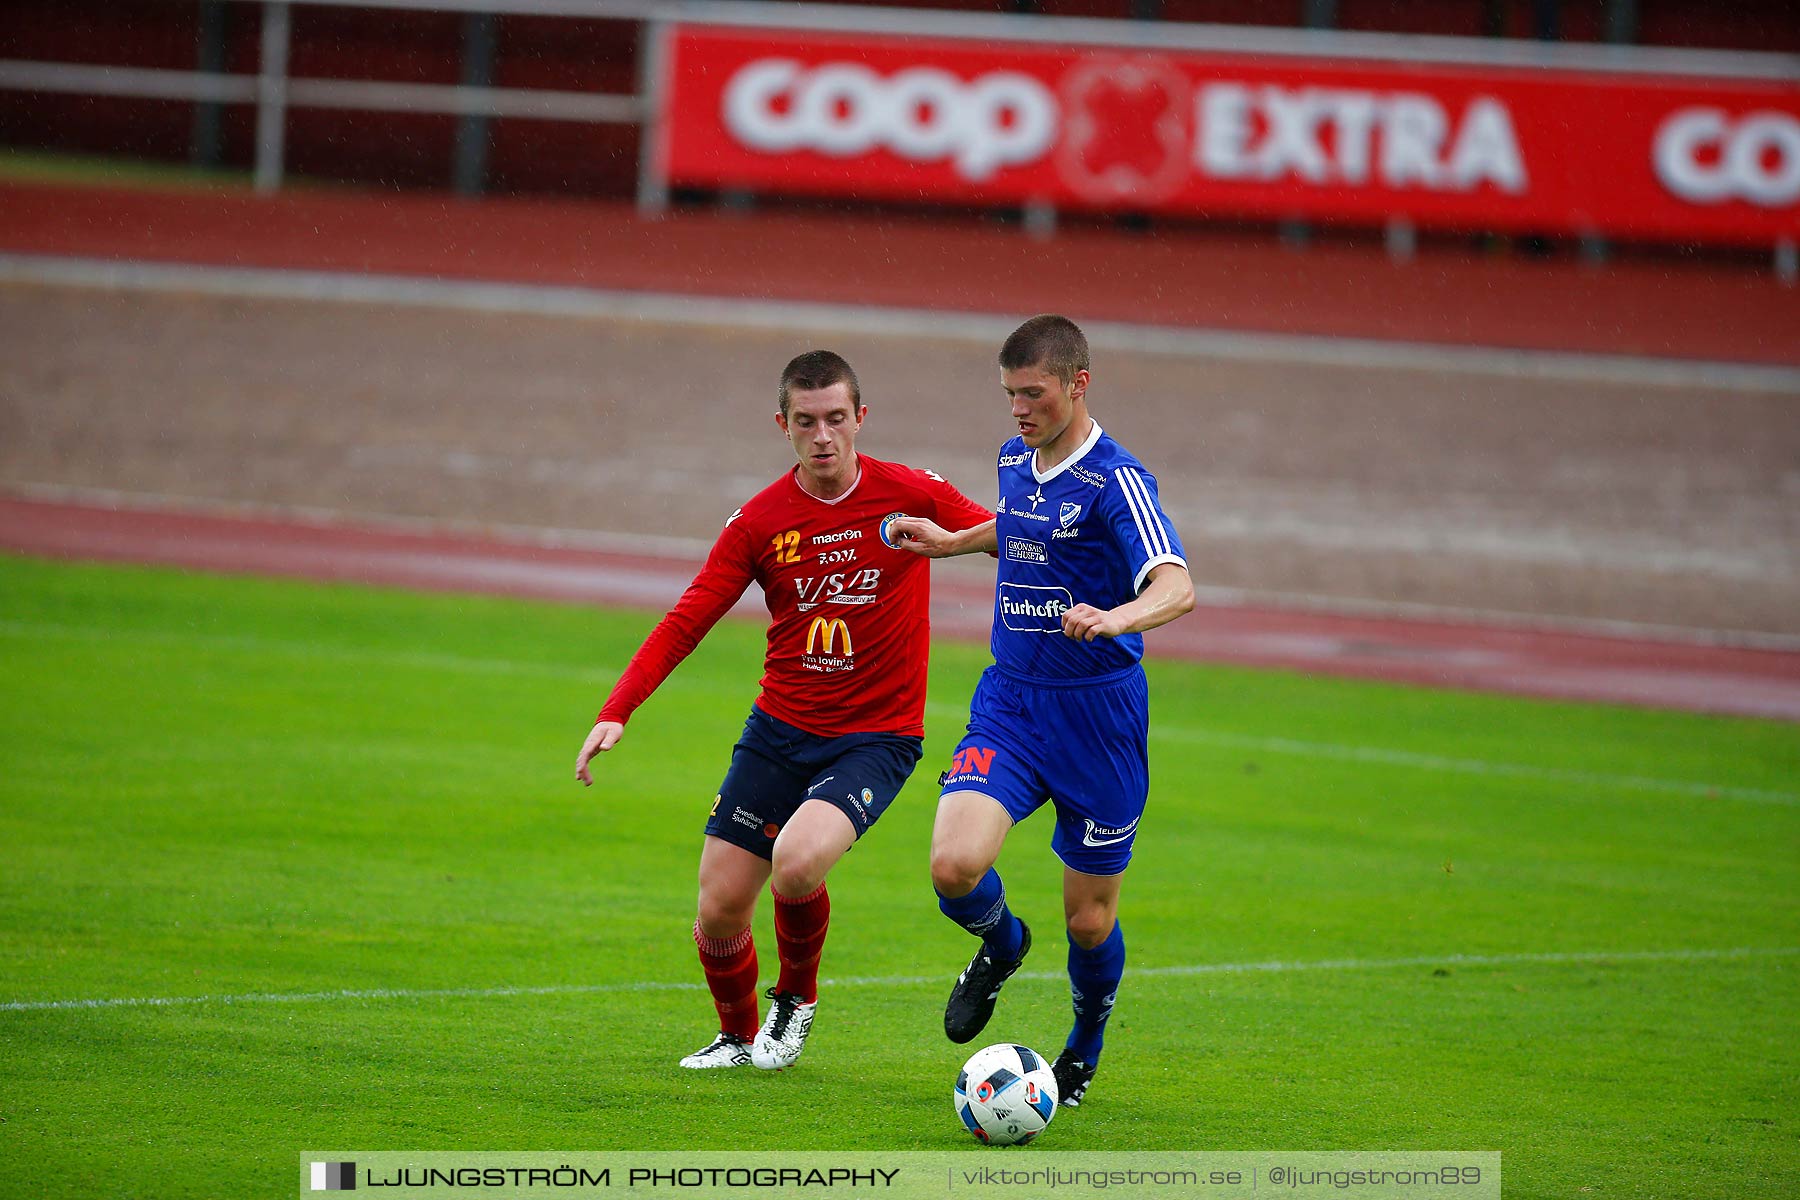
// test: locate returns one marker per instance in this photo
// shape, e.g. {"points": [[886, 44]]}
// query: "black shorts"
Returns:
{"points": [[775, 768]]}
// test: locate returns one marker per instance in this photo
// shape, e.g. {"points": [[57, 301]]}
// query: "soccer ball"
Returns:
{"points": [[1005, 1094]]}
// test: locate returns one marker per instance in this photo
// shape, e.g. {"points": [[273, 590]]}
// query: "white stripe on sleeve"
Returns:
{"points": [[1143, 508]]}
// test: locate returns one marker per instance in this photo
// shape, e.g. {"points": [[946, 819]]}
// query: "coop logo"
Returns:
{"points": [[926, 114], [825, 633], [1129, 127], [1707, 156], [1028, 609], [1140, 127], [334, 1177]]}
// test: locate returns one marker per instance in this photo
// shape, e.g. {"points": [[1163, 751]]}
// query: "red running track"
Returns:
{"points": [[1664, 308], [1565, 666]]}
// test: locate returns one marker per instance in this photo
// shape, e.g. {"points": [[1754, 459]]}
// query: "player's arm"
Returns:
{"points": [[601, 738], [1168, 593], [1143, 533], [926, 537], [728, 571], [961, 526]]}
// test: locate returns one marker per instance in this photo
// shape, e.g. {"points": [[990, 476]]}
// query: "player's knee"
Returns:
{"points": [[1090, 924], [798, 874], [954, 871], [724, 916]]}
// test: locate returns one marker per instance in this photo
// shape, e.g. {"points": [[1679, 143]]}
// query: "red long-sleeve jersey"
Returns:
{"points": [[849, 616]]}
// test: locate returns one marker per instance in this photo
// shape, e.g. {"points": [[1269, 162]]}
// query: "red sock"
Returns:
{"points": [[730, 966], [799, 939]]}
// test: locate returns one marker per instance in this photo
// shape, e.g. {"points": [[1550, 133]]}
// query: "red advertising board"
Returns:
{"points": [[1229, 135]]}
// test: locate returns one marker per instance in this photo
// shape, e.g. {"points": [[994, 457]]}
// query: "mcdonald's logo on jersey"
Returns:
{"points": [[824, 633]]}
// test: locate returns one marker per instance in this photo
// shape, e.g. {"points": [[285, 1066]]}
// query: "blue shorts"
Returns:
{"points": [[1084, 746], [776, 768]]}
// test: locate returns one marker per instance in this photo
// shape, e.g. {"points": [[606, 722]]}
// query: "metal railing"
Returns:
{"points": [[273, 91]]}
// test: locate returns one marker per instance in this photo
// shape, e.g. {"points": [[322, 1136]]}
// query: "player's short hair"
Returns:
{"points": [[1054, 343], [814, 370]]}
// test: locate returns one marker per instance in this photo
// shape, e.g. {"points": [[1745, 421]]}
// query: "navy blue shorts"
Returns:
{"points": [[1084, 747], [776, 768]]}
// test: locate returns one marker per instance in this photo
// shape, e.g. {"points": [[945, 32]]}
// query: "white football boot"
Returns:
{"points": [[727, 1050], [782, 1037]]}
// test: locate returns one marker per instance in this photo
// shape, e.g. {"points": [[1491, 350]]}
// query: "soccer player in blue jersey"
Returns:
{"points": [[1088, 561]]}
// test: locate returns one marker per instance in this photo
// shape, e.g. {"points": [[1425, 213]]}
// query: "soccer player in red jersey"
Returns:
{"points": [[839, 724]]}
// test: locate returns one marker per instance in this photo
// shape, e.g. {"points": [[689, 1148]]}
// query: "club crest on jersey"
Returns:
{"points": [[888, 537], [1068, 514]]}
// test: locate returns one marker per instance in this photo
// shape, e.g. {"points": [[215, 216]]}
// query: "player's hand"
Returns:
{"points": [[1084, 623], [923, 536], [601, 738]]}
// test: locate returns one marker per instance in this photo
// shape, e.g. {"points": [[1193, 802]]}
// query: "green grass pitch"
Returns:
{"points": [[1360, 917]]}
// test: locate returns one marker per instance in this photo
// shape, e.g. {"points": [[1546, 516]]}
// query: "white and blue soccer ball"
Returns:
{"points": [[1005, 1094]]}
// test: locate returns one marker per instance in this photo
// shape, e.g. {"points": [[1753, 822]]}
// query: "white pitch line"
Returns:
{"points": [[661, 308], [1595, 957]]}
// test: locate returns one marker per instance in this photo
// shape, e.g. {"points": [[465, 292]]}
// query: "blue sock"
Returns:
{"points": [[1093, 982], [983, 912]]}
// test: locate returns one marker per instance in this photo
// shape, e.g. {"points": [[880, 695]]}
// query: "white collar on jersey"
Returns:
{"points": [[854, 484], [1093, 439]]}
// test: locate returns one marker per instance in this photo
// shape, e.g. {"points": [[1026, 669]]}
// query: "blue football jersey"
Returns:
{"points": [[1087, 532]]}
